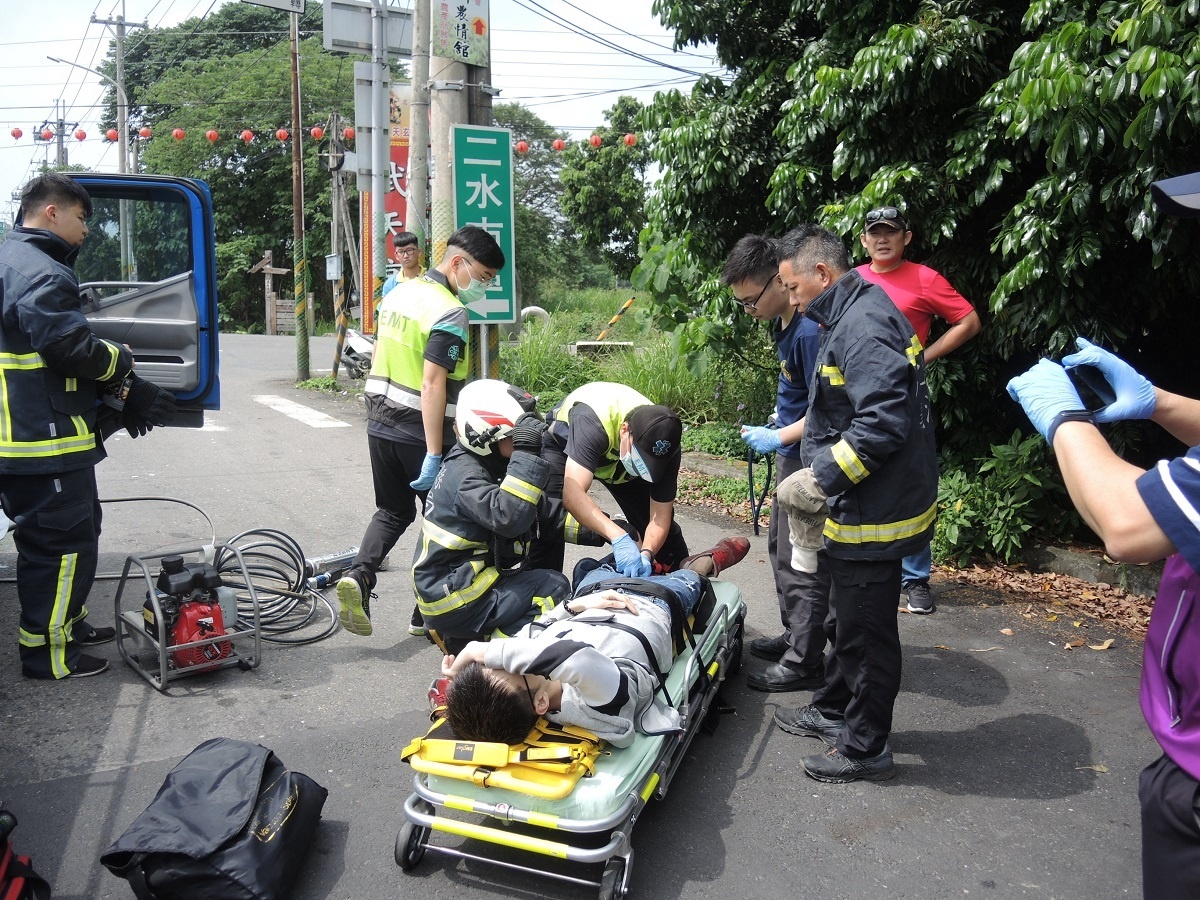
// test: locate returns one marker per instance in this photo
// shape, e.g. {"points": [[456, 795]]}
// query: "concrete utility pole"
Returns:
{"points": [[119, 25], [418, 145], [448, 106], [381, 133], [299, 255]]}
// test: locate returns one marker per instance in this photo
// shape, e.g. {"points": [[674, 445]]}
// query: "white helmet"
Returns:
{"points": [[486, 412]]}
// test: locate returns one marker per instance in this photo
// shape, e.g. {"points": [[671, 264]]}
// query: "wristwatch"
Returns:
{"points": [[1068, 415]]}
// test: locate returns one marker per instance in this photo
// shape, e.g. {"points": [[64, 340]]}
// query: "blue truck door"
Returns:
{"points": [[148, 275]]}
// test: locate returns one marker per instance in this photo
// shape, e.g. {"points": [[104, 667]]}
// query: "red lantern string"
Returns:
{"points": [[559, 144], [630, 140], [112, 134], [522, 147], [212, 135], [47, 134], [282, 134], [594, 140], [317, 132], [247, 135], [179, 134], [16, 133], [80, 134], [348, 134], [145, 132]]}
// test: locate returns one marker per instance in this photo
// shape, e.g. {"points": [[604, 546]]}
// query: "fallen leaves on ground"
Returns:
{"points": [[1054, 595]]}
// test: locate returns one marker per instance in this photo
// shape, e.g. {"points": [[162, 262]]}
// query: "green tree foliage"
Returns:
{"points": [[550, 256], [604, 188], [1021, 139]]}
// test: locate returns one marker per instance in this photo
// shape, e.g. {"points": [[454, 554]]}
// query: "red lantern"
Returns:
{"points": [[317, 132], [282, 134], [145, 132], [559, 144], [630, 140], [212, 135], [16, 133], [522, 147], [80, 134], [594, 140], [112, 134], [348, 134], [179, 134], [247, 135], [47, 134]]}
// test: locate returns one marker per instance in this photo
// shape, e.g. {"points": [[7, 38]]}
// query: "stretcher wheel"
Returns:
{"points": [[612, 882], [410, 845]]}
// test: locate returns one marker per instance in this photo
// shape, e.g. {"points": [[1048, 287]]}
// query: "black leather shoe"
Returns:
{"points": [[770, 648], [98, 636], [782, 677]]}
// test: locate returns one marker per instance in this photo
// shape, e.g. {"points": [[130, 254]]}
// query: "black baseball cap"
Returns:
{"points": [[887, 216], [656, 432], [1178, 196]]}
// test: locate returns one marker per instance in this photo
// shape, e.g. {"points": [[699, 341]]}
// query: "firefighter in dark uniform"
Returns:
{"points": [[488, 498], [54, 373]]}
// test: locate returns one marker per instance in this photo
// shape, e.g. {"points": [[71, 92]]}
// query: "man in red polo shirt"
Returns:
{"points": [[921, 294]]}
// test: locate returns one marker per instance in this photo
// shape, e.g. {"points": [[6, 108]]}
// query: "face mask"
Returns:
{"points": [[632, 461], [475, 289]]}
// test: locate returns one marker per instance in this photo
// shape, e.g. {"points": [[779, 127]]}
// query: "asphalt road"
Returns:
{"points": [[1017, 759]]}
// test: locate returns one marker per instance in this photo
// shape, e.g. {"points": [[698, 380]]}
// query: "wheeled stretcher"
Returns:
{"points": [[577, 804]]}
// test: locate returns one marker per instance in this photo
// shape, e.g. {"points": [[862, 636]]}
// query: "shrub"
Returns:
{"points": [[996, 506], [540, 363]]}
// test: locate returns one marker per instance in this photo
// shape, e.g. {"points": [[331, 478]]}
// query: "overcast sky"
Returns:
{"points": [[537, 60]]}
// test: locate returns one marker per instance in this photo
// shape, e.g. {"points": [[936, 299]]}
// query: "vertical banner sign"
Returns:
{"points": [[483, 196], [460, 31], [395, 200]]}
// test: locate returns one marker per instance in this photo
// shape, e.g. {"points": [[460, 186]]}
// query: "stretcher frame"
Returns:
{"points": [[718, 653]]}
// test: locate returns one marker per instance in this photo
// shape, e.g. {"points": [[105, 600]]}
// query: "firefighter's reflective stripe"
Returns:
{"points": [[58, 629], [913, 350], [832, 374], [571, 528], [21, 361], [53, 447], [472, 592], [530, 493], [448, 539], [882, 532], [848, 461]]}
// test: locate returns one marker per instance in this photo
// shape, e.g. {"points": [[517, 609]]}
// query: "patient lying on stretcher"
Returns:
{"points": [[585, 663]]}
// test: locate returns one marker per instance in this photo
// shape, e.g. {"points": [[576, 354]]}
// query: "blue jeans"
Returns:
{"points": [[684, 584], [916, 567]]}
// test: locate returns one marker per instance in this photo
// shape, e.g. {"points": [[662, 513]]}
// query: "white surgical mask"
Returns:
{"points": [[634, 465]]}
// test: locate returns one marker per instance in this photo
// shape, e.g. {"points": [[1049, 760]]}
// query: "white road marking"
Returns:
{"points": [[309, 417]]}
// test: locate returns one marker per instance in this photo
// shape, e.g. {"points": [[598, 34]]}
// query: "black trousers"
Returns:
{"points": [[393, 466], [633, 498], [862, 673], [1170, 832], [57, 538]]}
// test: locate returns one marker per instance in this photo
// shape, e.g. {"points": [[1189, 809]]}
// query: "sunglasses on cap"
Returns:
{"points": [[887, 214]]}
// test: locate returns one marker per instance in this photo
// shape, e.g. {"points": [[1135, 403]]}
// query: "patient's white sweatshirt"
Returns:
{"points": [[608, 688]]}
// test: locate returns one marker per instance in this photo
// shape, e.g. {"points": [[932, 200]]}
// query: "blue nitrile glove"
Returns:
{"points": [[761, 439], [429, 470], [1135, 394], [1044, 392], [627, 556], [645, 565]]}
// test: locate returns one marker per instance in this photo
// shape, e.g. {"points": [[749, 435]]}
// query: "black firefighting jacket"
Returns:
{"points": [[869, 435], [52, 367]]}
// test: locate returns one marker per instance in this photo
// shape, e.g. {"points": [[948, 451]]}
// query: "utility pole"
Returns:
{"points": [[418, 147], [381, 130], [118, 25], [448, 106], [300, 276]]}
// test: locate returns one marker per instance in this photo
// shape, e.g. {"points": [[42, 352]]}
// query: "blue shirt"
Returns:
{"points": [[1171, 491], [797, 345]]}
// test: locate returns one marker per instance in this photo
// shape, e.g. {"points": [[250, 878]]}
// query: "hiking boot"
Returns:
{"points": [[97, 636], [770, 648], [835, 767], [416, 625], [712, 563], [355, 597], [807, 721], [920, 600]]}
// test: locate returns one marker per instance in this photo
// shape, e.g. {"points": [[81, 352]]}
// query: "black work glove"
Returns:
{"points": [[149, 404], [134, 424], [527, 433]]}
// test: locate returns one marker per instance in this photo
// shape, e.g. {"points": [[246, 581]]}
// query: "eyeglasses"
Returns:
{"points": [[751, 305], [887, 214], [525, 678], [407, 251]]}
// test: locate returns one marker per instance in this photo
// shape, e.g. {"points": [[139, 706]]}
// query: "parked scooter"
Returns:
{"points": [[357, 350]]}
